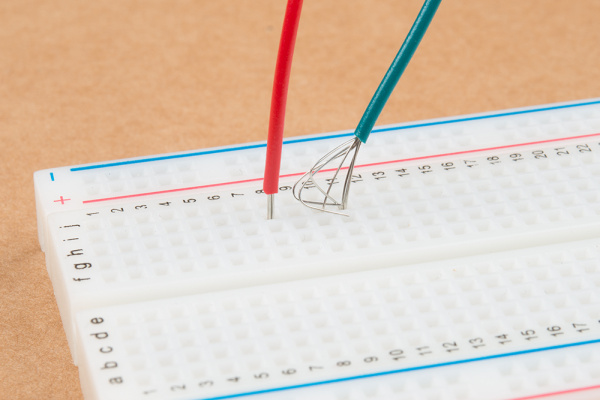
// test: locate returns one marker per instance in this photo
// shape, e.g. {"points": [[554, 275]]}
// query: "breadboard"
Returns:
{"points": [[468, 267]]}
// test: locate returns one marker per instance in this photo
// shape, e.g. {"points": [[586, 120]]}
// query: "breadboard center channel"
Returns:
{"points": [[470, 249]]}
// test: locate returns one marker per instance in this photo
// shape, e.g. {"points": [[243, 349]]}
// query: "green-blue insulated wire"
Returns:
{"points": [[393, 74]]}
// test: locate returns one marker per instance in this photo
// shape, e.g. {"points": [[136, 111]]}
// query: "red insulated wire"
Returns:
{"points": [[279, 96]]}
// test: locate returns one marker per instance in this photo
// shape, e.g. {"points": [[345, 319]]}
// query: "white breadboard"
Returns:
{"points": [[469, 267]]}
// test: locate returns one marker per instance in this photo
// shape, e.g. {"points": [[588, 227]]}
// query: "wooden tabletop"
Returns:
{"points": [[83, 82]]}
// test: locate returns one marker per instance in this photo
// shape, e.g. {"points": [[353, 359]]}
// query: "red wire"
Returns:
{"points": [[279, 96]]}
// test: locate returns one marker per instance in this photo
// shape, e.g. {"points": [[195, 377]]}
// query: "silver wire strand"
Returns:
{"points": [[270, 205], [345, 151]]}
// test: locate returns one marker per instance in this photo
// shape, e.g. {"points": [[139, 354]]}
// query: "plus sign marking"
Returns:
{"points": [[61, 200]]}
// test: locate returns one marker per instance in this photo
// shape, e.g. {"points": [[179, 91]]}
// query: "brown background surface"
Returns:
{"points": [[84, 82]]}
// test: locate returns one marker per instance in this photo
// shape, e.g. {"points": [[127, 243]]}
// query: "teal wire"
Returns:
{"points": [[393, 74]]}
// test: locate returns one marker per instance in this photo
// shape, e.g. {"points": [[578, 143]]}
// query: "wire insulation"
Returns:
{"points": [[396, 69], [279, 96]]}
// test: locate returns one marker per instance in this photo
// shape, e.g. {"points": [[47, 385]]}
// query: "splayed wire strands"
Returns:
{"points": [[349, 150], [343, 151]]}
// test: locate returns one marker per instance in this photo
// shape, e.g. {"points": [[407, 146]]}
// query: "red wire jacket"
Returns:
{"points": [[279, 96]]}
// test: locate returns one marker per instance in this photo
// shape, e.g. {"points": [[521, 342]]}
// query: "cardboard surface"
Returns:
{"points": [[84, 82]]}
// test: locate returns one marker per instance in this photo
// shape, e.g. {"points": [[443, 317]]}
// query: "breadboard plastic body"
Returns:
{"points": [[186, 234], [519, 323]]}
